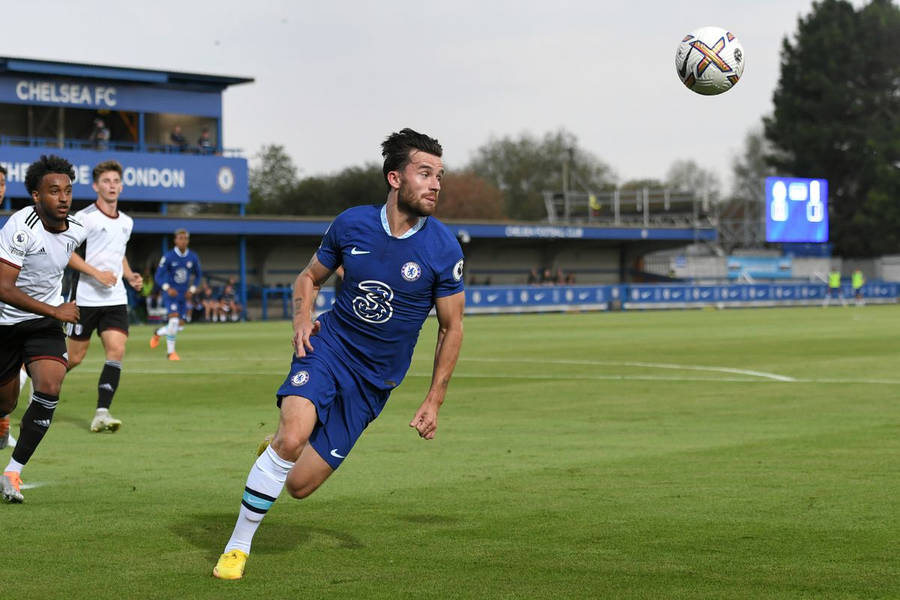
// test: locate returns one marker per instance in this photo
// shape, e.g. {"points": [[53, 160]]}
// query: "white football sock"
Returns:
{"points": [[264, 484]]}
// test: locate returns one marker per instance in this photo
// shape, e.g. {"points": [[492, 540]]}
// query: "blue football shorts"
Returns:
{"points": [[345, 403], [178, 305]]}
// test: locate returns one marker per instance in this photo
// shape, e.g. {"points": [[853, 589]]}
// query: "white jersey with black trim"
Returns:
{"points": [[40, 256], [107, 238]]}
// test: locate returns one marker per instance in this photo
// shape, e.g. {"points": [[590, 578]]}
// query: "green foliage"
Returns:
{"points": [[574, 459], [525, 167], [837, 116], [271, 181]]}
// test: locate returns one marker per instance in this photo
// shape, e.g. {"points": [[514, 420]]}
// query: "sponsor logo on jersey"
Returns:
{"points": [[300, 378], [374, 306], [411, 271]]}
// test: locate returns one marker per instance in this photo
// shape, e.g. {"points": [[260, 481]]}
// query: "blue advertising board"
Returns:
{"points": [[525, 299], [156, 177], [796, 209], [108, 95], [759, 267]]}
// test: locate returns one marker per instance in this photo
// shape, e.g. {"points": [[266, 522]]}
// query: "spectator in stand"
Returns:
{"points": [[229, 307], [100, 135], [178, 140], [533, 277], [547, 277], [570, 279], [205, 144], [210, 303]]}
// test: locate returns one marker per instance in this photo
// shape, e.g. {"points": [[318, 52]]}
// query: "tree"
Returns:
{"points": [[688, 176], [272, 181], [465, 195], [837, 116], [525, 167]]}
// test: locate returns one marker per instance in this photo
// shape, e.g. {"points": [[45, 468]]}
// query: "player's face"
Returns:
{"points": [[2, 186], [181, 241], [53, 198], [108, 186], [420, 184]]}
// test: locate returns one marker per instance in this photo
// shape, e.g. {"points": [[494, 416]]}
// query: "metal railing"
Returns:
{"points": [[112, 145], [640, 207]]}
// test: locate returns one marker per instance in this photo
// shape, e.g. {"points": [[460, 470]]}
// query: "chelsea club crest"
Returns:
{"points": [[411, 271], [300, 378]]}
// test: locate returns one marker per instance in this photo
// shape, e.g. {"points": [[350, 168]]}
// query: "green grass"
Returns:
{"points": [[578, 456]]}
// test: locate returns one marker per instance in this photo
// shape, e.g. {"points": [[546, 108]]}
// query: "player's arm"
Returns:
{"points": [[306, 288], [449, 341], [135, 280], [198, 275], [10, 294], [163, 279], [107, 278]]}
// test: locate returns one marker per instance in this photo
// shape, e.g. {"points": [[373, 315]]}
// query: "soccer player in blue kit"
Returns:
{"points": [[178, 275], [399, 263]]}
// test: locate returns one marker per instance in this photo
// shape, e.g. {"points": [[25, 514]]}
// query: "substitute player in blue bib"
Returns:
{"points": [[398, 263], [178, 275]]}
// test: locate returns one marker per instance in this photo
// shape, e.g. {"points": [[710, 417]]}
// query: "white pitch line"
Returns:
{"points": [[731, 370], [751, 376], [34, 484]]}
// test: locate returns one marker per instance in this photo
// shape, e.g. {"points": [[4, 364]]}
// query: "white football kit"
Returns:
{"points": [[41, 257], [107, 238]]}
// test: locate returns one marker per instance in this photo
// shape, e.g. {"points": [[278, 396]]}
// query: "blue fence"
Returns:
{"points": [[521, 299]]}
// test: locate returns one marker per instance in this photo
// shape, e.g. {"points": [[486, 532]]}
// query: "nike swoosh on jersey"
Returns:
{"points": [[356, 251]]}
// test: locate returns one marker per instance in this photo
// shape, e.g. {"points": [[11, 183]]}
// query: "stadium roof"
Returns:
{"points": [[32, 66]]}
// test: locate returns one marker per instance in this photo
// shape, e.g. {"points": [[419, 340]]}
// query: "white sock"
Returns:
{"points": [[162, 330], [23, 377], [13, 465], [171, 332], [264, 484]]}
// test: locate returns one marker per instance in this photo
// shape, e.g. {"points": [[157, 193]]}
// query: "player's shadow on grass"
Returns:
{"points": [[211, 531]]}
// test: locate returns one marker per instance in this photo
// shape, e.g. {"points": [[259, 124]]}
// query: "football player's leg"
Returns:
{"points": [[266, 480], [77, 349], [171, 333], [9, 395], [114, 345], [47, 375], [309, 472]]}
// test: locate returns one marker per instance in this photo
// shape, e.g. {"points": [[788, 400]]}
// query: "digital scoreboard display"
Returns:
{"points": [[796, 209]]}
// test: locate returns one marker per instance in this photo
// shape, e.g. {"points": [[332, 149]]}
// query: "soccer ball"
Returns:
{"points": [[709, 60]]}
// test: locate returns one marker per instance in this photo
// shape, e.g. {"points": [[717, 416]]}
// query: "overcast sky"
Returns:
{"points": [[333, 78]]}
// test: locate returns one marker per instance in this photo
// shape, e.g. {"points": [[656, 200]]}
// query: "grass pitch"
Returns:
{"points": [[701, 454]]}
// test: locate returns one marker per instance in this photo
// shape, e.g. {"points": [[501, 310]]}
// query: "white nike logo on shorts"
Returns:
{"points": [[335, 454]]}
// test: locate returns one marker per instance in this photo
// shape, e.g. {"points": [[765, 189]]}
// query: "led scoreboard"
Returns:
{"points": [[796, 209]]}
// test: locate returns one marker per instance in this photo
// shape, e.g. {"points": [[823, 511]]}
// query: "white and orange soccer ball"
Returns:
{"points": [[709, 60]]}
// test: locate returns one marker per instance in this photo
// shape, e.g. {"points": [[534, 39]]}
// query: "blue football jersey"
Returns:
{"points": [[180, 272], [390, 285]]}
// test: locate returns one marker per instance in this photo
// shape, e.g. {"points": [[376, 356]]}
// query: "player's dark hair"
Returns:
{"points": [[44, 165], [397, 147], [3, 170], [105, 167]]}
